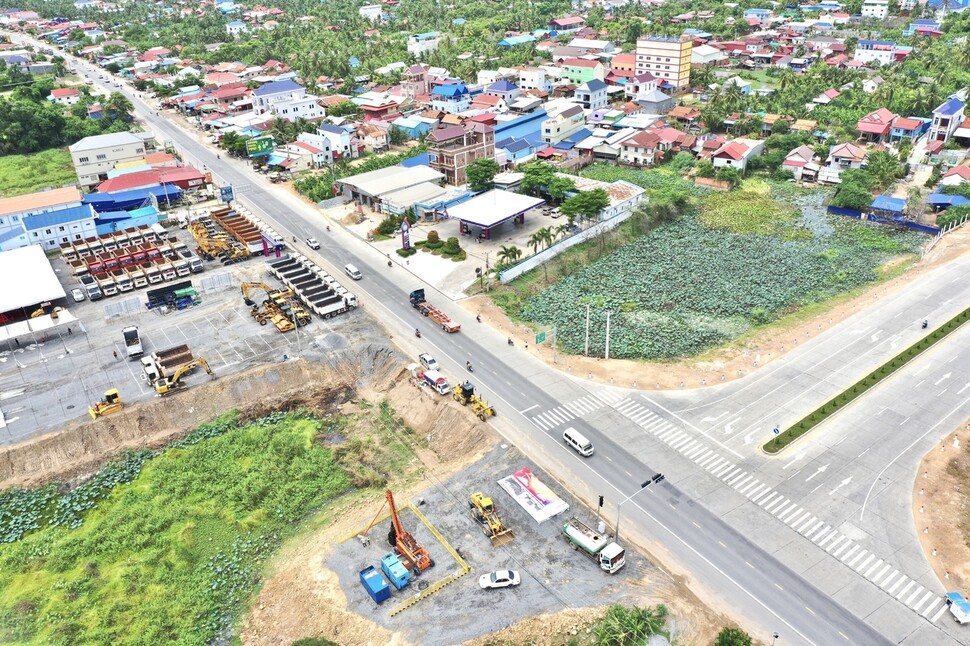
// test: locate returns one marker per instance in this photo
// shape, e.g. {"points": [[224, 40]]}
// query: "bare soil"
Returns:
{"points": [[941, 504], [733, 360]]}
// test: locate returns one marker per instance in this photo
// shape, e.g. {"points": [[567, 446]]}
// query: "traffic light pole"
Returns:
{"points": [[656, 478]]}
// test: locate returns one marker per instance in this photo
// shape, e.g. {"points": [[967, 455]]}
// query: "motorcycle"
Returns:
{"points": [[478, 317], [925, 324], [417, 333], [468, 366]]}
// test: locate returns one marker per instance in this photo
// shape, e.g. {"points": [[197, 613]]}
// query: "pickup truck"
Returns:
{"points": [[431, 378]]}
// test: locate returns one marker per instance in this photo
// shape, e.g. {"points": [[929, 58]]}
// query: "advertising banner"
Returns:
{"points": [[533, 495], [259, 146], [405, 235]]}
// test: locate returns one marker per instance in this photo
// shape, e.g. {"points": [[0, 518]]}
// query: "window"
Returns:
{"points": [[64, 239], [82, 160], [61, 229], [77, 236], [47, 231], [101, 157], [35, 234]]}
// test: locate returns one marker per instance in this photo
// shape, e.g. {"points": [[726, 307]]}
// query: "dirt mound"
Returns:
{"points": [[83, 447]]}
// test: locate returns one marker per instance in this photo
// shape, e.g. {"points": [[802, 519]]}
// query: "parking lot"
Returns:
{"points": [[554, 577], [52, 380]]}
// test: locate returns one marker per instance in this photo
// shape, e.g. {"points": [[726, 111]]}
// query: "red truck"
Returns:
{"points": [[433, 313]]}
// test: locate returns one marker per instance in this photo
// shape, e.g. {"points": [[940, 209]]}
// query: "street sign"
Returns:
{"points": [[225, 193], [540, 337], [259, 146]]}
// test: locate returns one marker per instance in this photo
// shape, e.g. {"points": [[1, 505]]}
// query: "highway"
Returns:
{"points": [[694, 518]]}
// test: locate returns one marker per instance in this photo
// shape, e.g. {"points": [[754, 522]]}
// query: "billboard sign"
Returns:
{"points": [[541, 502], [258, 146], [405, 234]]}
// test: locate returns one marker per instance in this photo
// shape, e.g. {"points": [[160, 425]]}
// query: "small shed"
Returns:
{"points": [[490, 210], [890, 207], [375, 584]]}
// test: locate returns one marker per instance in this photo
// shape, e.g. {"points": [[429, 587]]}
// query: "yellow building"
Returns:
{"points": [[668, 59]]}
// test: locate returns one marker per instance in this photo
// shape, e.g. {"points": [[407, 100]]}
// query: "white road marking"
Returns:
{"points": [[904, 590], [821, 469], [865, 563]]}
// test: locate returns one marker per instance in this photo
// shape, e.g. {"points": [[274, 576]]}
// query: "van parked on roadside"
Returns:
{"points": [[577, 442]]}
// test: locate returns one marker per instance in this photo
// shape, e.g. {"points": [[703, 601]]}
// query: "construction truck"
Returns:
{"points": [[167, 385], [464, 394], [133, 345], [594, 546], [165, 362], [484, 511], [433, 313], [280, 307], [431, 378], [110, 403]]}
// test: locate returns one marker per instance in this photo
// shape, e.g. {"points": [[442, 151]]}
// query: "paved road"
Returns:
{"points": [[707, 442]]}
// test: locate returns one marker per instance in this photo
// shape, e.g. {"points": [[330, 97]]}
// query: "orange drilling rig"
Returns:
{"points": [[414, 556]]}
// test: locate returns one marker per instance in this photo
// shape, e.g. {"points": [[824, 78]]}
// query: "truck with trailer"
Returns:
{"points": [[133, 344], [419, 303], [595, 546], [431, 378], [165, 363]]}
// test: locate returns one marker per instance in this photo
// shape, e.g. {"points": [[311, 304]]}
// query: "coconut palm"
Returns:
{"points": [[508, 254]]}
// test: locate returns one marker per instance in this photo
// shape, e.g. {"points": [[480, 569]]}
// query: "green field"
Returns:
{"points": [[21, 174], [168, 546], [740, 260]]}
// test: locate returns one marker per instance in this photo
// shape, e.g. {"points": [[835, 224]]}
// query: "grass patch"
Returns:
{"points": [[846, 397], [169, 545], [750, 211], [22, 174]]}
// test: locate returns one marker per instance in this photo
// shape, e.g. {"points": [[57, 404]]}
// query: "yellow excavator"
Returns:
{"points": [[44, 308], [166, 385], [280, 307], [483, 510], [110, 403]]}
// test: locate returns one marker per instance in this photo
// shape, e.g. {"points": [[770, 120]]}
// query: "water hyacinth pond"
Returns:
{"points": [[744, 260]]}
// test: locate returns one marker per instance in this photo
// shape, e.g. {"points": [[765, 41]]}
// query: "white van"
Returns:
{"points": [[578, 442], [353, 272]]}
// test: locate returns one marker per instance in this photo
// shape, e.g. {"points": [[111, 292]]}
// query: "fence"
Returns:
{"points": [[217, 282], [882, 219], [552, 251]]}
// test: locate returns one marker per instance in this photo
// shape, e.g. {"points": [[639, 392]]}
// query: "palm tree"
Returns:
{"points": [[508, 254], [786, 80], [535, 240], [561, 231], [546, 236]]}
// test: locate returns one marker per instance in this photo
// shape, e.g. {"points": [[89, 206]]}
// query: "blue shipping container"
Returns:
{"points": [[375, 584], [395, 570]]}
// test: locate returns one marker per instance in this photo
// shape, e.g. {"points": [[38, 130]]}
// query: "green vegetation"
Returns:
{"points": [[732, 637], [319, 186], [481, 174], [703, 279], [847, 396], [168, 545], [663, 180], [629, 626], [22, 174]]}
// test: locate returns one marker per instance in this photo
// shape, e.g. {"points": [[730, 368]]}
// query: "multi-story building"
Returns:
{"points": [[452, 148], [878, 51], [563, 124], [580, 70], [946, 119], [287, 100], [94, 156], [668, 59], [414, 82], [591, 95], [534, 78], [875, 9], [420, 44], [450, 98], [47, 218]]}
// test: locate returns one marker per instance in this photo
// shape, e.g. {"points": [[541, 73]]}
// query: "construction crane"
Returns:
{"points": [[414, 556], [464, 394], [166, 385], [484, 511], [110, 403]]}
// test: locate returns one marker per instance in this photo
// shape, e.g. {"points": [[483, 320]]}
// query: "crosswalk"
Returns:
{"points": [[569, 411], [922, 601]]}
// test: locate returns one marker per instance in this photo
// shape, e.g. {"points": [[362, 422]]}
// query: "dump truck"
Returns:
{"points": [[431, 378], [167, 385], [164, 363], [433, 313], [464, 394], [594, 546], [90, 287], [484, 511], [132, 342]]}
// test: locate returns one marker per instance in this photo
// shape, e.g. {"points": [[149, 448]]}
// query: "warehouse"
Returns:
{"points": [[374, 188]]}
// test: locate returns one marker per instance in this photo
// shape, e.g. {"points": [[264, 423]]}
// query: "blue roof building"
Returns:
{"points": [[515, 41], [450, 98], [277, 87], [946, 119], [891, 206]]}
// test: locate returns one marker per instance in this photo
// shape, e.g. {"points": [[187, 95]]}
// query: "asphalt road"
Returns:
{"points": [[744, 576]]}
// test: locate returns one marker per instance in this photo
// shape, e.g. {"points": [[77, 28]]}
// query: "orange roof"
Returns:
{"points": [[39, 200]]}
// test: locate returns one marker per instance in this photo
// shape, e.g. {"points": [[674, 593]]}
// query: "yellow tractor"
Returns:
{"points": [[166, 385], [483, 510], [110, 403], [464, 394]]}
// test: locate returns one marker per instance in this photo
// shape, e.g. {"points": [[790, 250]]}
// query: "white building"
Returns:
{"points": [[94, 156], [591, 95], [370, 12], [876, 51], [562, 124], [65, 96], [47, 218], [236, 28], [420, 44], [318, 143], [287, 100], [534, 78], [875, 9], [706, 55]]}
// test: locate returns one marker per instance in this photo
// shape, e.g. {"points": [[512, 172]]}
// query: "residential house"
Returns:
{"points": [[743, 85], [571, 23], [414, 82], [956, 176], [316, 157], [876, 51], [340, 140], [515, 41], [875, 126], [563, 124], [450, 98], [371, 12], [758, 15], [504, 90], [827, 97], [581, 70], [285, 99], [236, 28], [373, 138], [870, 85], [452, 148], [515, 150], [802, 164], [490, 103], [591, 95], [704, 55], [421, 44], [686, 115], [907, 128], [534, 78], [415, 125], [668, 59], [65, 96], [736, 153], [841, 157], [641, 149], [656, 102], [875, 9], [624, 64], [639, 86], [94, 156], [946, 119]]}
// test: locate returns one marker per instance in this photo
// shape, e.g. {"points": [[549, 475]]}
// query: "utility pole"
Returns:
{"points": [[657, 477], [586, 349], [608, 334]]}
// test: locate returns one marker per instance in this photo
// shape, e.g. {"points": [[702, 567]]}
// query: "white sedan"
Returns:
{"points": [[499, 579]]}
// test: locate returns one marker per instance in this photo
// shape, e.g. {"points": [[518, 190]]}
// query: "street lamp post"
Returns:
{"points": [[774, 636], [657, 477]]}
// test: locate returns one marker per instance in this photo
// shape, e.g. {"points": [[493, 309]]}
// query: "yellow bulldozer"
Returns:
{"points": [[465, 395], [110, 403], [280, 307], [485, 513], [167, 385]]}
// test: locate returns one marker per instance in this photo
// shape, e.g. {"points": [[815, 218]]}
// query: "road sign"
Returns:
{"points": [[225, 193], [540, 337], [259, 146]]}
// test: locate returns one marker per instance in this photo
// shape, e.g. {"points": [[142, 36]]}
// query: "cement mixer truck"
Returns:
{"points": [[595, 546]]}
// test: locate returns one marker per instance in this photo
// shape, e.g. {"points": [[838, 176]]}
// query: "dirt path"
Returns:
{"points": [[731, 361], [941, 508]]}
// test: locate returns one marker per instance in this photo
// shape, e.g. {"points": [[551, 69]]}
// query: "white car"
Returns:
{"points": [[428, 361], [499, 579], [77, 295], [312, 243]]}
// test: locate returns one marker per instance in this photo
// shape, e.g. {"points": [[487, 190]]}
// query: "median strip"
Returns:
{"points": [[843, 399]]}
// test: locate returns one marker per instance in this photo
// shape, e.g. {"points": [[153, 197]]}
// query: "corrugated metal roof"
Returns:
{"points": [[61, 216]]}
